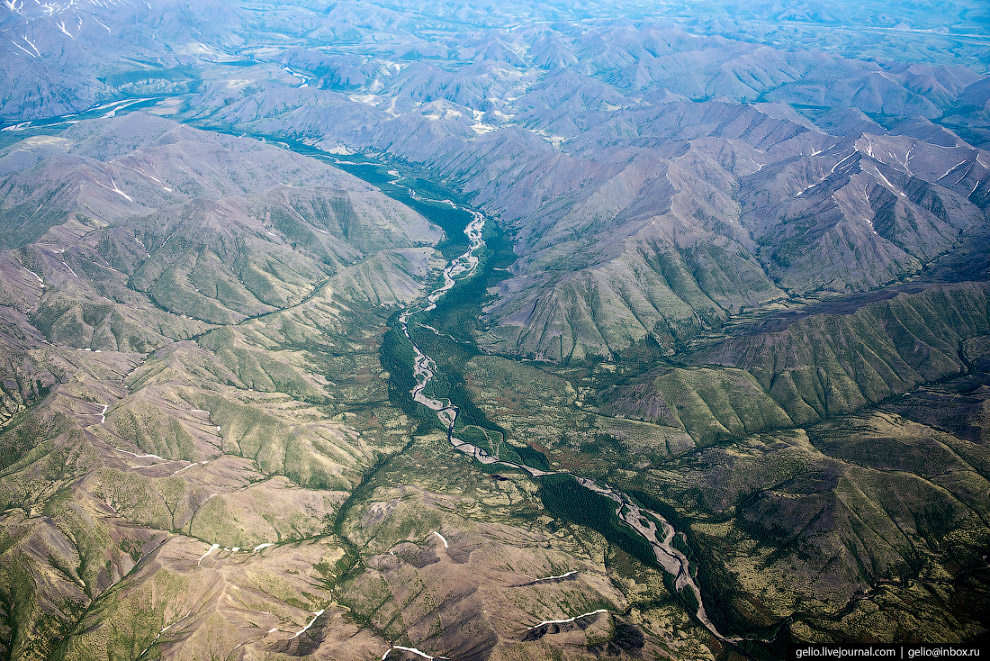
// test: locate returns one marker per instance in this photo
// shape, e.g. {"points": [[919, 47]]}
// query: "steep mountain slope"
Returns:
{"points": [[802, 445], [742, 204], [182, 290]]}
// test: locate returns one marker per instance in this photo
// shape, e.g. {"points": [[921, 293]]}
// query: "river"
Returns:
{"points": [[649, 524]]}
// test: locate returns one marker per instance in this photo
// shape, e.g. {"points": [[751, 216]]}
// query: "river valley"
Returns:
{"points": [[651, 526]]}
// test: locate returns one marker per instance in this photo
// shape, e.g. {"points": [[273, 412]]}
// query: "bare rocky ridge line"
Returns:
{"points": [[650, 525]]}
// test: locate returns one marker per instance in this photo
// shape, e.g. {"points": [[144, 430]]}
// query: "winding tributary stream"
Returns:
{"points": [[647, 523]]}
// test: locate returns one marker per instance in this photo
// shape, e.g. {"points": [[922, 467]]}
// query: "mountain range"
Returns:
{"points": [[733, 265]]}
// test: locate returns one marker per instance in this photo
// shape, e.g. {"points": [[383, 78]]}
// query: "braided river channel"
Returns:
{"points": [[650, 525]]}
